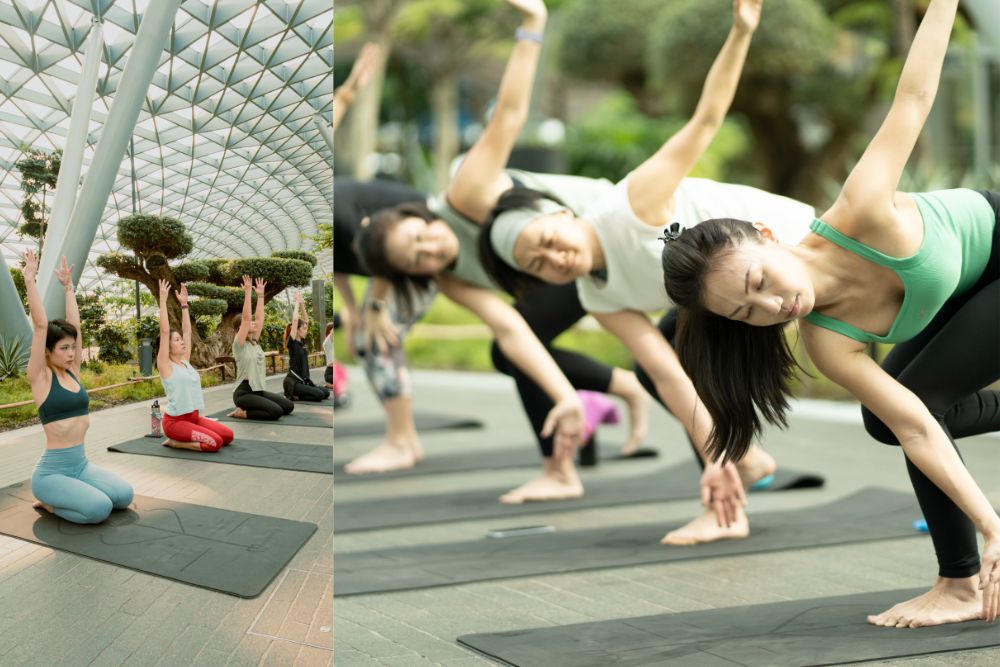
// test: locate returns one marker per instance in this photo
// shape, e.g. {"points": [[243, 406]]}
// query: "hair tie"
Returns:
{"points": [[671, 233]]}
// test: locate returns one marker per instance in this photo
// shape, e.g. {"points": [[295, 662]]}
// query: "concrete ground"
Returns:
{"points": [[57, 608], [417, 628]]}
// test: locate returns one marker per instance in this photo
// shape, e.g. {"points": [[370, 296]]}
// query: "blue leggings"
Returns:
{"points": [[77, 490]]}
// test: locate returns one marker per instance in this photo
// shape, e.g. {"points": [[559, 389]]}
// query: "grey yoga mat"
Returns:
{"points": [[674, 483], [869, 514], [470, 461], [254, 453], [425, 421], [317, 418], [799, 633], [232, 552]]}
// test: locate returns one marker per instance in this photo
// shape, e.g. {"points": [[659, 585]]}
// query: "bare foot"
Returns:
{"points": [[238, 413], [39, 505], [384, 458], [755, 466], [948, 601], [706, 528], [176, 444], [418, 450], [558, 481]]}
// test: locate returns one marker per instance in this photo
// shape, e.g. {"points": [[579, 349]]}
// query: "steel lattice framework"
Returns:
{"points": [[226, 140]]}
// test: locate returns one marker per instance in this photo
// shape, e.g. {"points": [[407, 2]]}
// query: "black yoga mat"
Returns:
{"points": [[231, 552], [869, 514], [675, 483], [425, 421], [255, 453], [471, 461], [818, 631], [317, 418]]}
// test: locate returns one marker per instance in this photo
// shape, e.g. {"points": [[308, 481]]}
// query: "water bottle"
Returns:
{"points": [[156, 420]]}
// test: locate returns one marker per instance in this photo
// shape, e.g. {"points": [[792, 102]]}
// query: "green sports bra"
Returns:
{"points": [[958, 239]]}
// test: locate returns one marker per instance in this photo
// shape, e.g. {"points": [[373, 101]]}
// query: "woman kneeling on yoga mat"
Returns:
{"points": [[921, 270], [252, 402], [64, 481], [298, 386], [183, 425]]}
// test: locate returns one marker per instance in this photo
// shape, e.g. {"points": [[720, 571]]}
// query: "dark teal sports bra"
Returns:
{"points": [[62, 403]]}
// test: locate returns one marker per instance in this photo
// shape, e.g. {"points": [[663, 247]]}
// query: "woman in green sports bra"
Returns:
{"points": [[918, 270]]}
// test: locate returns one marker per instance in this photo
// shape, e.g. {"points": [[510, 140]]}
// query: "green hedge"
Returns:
{"points": [[296, 254], [275, 270], [150, 235], [188, 272], [208, 307], [233, 296]]}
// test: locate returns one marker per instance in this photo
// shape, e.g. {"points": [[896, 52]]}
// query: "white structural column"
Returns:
{"points": [[72, 158], [986, 14], [325, 131], [150, 40], [14, 322]]}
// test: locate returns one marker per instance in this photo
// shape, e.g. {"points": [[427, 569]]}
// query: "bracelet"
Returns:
{"points": [[522, 35], [376, 305], [183, 306]]}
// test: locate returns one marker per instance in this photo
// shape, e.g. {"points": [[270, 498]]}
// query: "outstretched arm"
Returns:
{"points": [[185, 322], [39, 322], [259, 286], [360, 74], [64, 274], [293, 333], [241, 335], [652, 185], [163, 355], [519, 343], [480, 179], [868, 192]]}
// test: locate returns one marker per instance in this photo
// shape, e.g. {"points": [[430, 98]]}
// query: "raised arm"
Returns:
{"points": [[185, 322], [293, 332], [480, 178], [259, 286], [868, 192], [245, 319], [64, 274], [163, 354], [360, 74], [39, 322], [519, 343], [653, 183]]}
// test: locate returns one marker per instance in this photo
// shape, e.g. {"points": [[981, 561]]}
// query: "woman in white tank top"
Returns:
{"points": [[613, 250]]}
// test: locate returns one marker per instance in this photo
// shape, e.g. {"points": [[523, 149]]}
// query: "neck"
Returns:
{"points": [[594, 244], [828, 277]]}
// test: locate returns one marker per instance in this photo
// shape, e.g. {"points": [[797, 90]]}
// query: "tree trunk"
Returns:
{"points": [[444, 107]]}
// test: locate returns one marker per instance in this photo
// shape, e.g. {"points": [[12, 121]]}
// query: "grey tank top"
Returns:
{"points": [[576, 192]]}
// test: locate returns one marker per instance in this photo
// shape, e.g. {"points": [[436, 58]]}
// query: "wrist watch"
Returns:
{"points": [[376, 305]]}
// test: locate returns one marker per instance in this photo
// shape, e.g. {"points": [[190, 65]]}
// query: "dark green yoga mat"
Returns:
{"points": [[472, 460], [425, 421], [255, 453], [232, 552], [317, 418], [869, 514], [799, 633], [675, 483]]}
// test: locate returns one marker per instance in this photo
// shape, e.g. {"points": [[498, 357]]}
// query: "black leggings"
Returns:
{"points": [[297, 390], [550, 310], [261, 404], [946, 366]]}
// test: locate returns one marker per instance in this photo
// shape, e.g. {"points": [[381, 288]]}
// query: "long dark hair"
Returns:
{"points": [[508, 278], [741, 373], [370, 243], [57, 330]]}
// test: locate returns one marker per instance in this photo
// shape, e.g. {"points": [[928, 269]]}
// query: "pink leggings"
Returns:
{"points": [[191, 428]]}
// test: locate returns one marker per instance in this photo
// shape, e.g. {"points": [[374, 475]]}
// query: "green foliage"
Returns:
{"points": [[189, 272], [152, 235], [275, 270], [296, 254], [39, 171], [92, 315], [271, 334], [13, 357], [22, 289], [215, 270], [148, 327], [324, 237], [93, 366], [601, 39], [207, 307], [233, 296], [118, 263], [114, 342], [206, 325]]}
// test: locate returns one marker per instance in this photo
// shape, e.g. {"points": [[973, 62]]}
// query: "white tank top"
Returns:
{"points": [[632, 249], [183, 390]]}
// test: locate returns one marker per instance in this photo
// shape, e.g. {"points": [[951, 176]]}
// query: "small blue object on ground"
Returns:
{"points": [[920, 525], [763, 483]]}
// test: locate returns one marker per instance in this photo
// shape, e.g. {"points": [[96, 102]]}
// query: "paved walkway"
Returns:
{"points": [[419, 628], [57, 608]]}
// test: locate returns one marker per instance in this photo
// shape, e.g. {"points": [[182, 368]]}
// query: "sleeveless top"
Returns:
{"points": [[249, 364], [183, 389], [576, 192], [63, 404], [633, 250], [958, 240], [328, 349]]}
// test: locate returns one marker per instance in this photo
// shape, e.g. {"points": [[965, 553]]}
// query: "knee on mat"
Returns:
{"points": [[96, 510], [877, 429], [210, 442]]}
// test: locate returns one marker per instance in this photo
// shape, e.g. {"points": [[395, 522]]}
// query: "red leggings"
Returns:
{"points": [[211, 435]]}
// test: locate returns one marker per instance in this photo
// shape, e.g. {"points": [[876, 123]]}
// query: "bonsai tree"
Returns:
{"points": [[155, 240]]}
